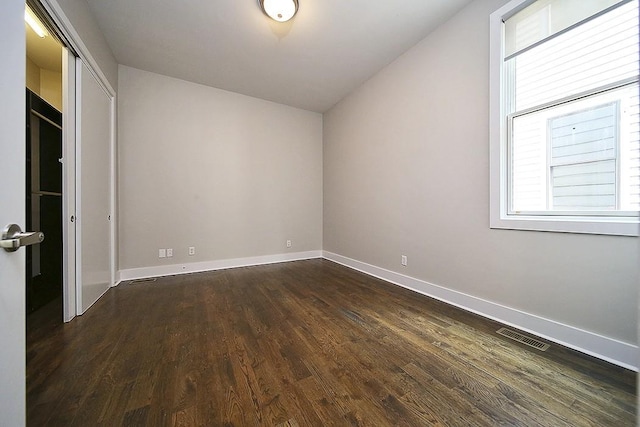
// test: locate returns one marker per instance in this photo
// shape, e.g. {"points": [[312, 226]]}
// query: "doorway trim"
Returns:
{"points": [[69, 183]]}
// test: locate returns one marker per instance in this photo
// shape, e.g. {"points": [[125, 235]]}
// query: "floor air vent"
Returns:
{"points": [[137, 281], [516, 336]]}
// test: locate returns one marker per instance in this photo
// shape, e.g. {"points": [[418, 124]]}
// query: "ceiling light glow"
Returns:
{"points": [[35, 24], [279, 10]]}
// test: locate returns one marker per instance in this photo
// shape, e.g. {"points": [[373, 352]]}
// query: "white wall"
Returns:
{"points": [[47, 84], [33, 76], [232, 175], [406, 171], [51, 87]]}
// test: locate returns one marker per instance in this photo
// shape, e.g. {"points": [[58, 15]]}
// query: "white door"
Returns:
{"points": [[94, 189], [12, 210]]}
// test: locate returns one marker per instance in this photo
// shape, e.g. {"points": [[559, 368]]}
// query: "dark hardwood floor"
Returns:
{"points": [[307, 343]]}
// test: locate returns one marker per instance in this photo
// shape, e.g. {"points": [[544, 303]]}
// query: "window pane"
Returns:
{"points": [[583, 186], [528, 163], [584, 136], [577, 155]]}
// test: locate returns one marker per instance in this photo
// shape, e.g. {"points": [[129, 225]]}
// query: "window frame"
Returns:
{"points": [[614, 223]]}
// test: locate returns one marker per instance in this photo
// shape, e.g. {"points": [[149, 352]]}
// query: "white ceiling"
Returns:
{"points": [[313, 61]]}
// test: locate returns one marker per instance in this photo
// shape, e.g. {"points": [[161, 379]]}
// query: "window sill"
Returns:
{"points": [[567, 224]]}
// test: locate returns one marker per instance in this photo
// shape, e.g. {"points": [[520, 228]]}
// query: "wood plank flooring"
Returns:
{"points": [[306, 343]]}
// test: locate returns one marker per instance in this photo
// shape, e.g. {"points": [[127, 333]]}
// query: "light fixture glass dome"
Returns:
{"points": [[279, 10]]}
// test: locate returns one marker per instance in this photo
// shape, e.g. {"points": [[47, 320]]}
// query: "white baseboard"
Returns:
{"points": [[611, 350], [195, 267]]}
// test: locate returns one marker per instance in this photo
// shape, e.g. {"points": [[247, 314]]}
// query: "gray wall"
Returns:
{"points": [[406, 171], [232, 175]]}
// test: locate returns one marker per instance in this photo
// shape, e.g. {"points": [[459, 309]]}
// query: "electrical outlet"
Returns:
{"points": [[162, 253], [192, 250], [288, 243], [403, 260], [169, 253]]}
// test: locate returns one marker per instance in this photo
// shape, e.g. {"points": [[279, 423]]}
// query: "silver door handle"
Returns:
{"points": [[13, 238]]}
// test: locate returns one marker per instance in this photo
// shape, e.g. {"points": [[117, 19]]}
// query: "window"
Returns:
{"points": [[565, 137]]}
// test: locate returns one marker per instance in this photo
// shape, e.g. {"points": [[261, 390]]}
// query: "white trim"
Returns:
{"points": [[196, 267], [78, 181], [497, 126], [614, 351], [112, 187], [583, 225], [69, 185]]}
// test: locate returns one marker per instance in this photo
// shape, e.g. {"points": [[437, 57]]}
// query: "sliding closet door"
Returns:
{"points": [[94, 147]]}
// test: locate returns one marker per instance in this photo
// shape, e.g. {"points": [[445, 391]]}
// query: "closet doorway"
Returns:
{"points": [[44, 204], [44, 185]]}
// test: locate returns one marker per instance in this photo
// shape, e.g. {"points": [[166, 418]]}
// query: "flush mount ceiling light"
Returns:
{"points": [[279, 10], [35, 24]]}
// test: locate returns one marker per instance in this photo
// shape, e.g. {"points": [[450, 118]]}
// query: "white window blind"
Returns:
{"points": [[546, 18], [600, 52]]}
